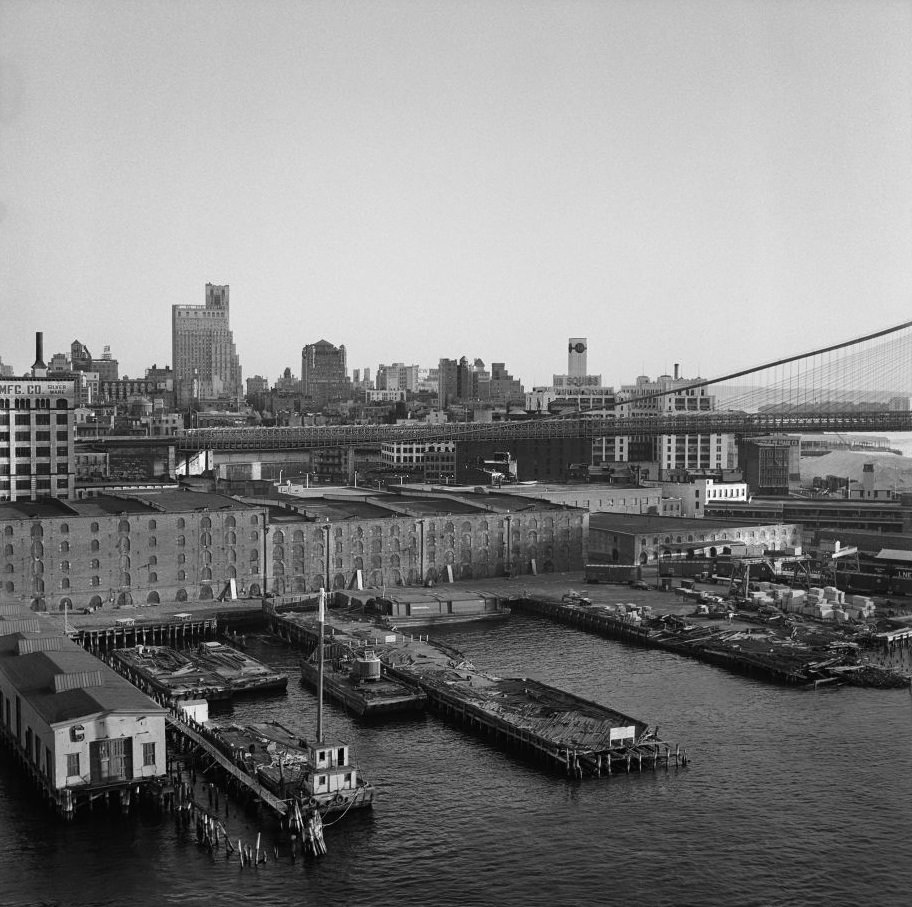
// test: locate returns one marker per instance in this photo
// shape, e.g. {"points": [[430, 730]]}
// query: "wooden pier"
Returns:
{"points": [[195, 740], [177, 630], [773, 653]]}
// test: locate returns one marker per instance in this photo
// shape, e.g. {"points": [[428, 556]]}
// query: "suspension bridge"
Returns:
{"points": [[860, 385]]}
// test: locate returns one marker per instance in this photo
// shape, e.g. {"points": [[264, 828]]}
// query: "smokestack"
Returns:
{"points": [[39, 369], [677, 367]]}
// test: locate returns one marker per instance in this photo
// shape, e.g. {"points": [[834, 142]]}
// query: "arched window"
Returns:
{"points": [[153, 560], [64, 547], [206, 573], [152, 541], [125, 579], [96, 581], [254, 535], [152, 524], [181, 541], [64, 528], [229, 522], [230, 538], [153, 576], [205, 523], [205, 539], [8, 550], [37, 531], [180, 522], [65, 566], [93, 545], [123, 526], [65, 582], [181, 575]]}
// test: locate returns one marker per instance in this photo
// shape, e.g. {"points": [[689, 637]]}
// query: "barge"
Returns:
{"points": [[212, 671], [356, 679], [424, 607], [570, 734]]}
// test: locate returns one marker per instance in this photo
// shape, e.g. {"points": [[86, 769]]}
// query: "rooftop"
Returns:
{"points": [[646, 523], [32, 675]]}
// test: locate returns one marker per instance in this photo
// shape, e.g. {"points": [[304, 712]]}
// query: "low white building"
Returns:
{"points": [[695, 495], [77, 726]]}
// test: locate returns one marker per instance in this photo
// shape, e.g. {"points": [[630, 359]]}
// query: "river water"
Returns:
{"points": [[793, 797]]}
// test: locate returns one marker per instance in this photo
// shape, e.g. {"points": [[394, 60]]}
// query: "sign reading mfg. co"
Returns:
{"points": [[47, 389]]}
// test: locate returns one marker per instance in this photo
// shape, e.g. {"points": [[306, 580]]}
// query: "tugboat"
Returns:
{"points": [[318, 776]]}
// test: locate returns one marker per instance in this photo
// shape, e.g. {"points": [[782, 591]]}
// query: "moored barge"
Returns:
{"points": [[211, 671], [356, 679]]}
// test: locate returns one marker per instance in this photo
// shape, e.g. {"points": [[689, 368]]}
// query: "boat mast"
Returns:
{"points": [[320, 672]]}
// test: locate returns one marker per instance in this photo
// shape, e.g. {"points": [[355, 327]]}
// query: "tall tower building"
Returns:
{"points": [[576, 360], [324, 374], [205, 362]]}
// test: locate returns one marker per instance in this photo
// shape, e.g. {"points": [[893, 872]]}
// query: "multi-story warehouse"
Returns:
{"points": [[324, 373], [180, 546], [37, 418], [418, 537], [203, 356], [138, 549]]}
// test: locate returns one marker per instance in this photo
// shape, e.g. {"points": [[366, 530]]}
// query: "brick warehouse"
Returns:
{"points": [[177, 546]]}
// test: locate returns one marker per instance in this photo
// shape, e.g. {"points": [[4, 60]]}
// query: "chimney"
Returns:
{"points": [[677, 367], [39, 369]]}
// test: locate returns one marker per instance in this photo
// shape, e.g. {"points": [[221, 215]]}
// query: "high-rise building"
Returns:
{"points": [[37, 416], [397, 376], [205, 362], [324, 375], [670, 395]]}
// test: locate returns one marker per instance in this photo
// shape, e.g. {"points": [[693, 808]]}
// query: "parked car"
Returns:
{"points": [[639, 584]]}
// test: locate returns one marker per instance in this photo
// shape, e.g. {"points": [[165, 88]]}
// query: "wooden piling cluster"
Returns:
{"points": [[67, 801], [304, 832], [166, 632]]}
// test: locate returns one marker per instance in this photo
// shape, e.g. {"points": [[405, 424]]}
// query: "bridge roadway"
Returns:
{"points": [[720, 422]]}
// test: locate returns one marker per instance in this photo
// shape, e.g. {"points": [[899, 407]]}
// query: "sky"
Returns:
{"points": [[713, 184]]}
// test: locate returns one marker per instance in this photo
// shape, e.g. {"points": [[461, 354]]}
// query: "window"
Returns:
{"points": [[180, 523], [73, 765], [94, 527], [64, 546], [93, 545], [148, 754]]}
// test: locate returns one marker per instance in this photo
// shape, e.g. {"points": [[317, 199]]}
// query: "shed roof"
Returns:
{"points": [[32, 676]]}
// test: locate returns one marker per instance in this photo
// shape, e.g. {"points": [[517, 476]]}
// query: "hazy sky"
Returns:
{"points": [[710, 183]]}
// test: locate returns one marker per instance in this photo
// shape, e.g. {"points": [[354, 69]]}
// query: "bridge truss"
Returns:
{"points": [[860, 385]]}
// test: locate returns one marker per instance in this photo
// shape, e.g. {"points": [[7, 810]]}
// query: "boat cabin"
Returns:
{"points": [[331, 770]]}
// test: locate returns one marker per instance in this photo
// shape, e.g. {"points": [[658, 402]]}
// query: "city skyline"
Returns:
{"points": [[678, 182]]}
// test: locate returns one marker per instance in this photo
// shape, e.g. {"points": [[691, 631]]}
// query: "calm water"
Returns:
{"points": [[792, 797]]}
